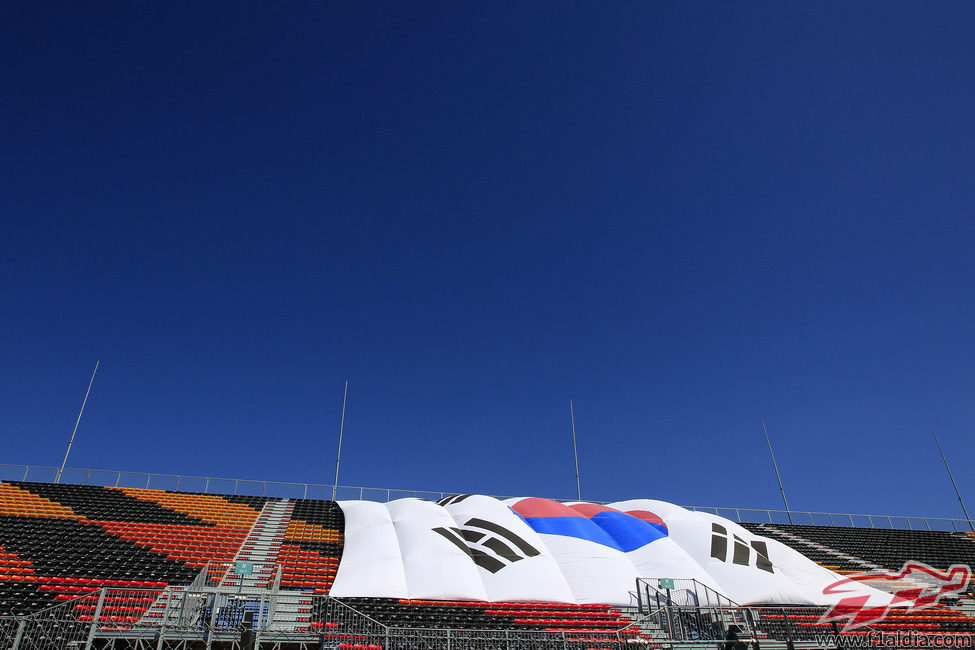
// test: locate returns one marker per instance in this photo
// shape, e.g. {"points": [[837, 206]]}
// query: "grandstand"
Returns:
{"points": [[96, 566]]}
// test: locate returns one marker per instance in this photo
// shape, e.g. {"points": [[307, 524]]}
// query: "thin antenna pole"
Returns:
{"points": [[777, 476], [575, 450], [57, 477], [338, 458], [953, 484]]}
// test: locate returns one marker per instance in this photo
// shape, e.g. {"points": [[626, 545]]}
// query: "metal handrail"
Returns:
{"points": [[323, 491], [222, 616], [214, 485], [837, 519]]}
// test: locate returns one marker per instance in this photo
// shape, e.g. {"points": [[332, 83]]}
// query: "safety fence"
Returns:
{"points": [[227, 620], [54, 628], [294, 490], [689, 612], [690, 624]]}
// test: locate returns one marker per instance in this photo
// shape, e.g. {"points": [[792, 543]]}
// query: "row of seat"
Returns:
{"points": [[160, 536], [602, 619], [107, 504], [15, 501], [303, 568], [798, 623], [889, 548], [61, 540], [210, 508]]}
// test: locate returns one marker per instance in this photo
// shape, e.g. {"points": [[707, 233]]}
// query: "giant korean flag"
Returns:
{"points": [[475, 547]]}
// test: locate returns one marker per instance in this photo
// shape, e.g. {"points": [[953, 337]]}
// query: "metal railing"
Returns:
{"points": [[447, 638], [323, 491], [671, 610], [694, 625], [239, 574], [209, 484], [656, 592], [797, 623], [113, 618], [54, 628], [857, 520], [688, 611]]}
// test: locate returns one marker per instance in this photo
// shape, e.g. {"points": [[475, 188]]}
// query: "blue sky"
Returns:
{"points": [[682, 216]]}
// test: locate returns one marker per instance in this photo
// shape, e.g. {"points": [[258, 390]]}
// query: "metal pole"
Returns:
{"points": [[57, 478], [211, 627], [575, 450], [94, 619], [165, 620], [20, 633], [338, 458], [777, 476], [953, 484]]}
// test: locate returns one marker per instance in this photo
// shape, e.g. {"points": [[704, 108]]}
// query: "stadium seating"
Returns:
{"points": [[849, 550], [313, 544], [61, 541], [774, 621], [888, 548], [589, 619], [52, 552], [66, 543]]}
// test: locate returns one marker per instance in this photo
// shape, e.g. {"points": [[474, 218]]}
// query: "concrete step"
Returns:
{"points": [[261, 546], [292, 612]]}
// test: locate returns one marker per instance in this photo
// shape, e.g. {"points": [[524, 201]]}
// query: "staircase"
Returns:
{"points": [[166, 609], [676, 618], [651, 631], [291, 612], [250, 580], [253, 570], [253, 566]]}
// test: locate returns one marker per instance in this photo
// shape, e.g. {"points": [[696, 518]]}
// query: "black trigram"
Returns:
{"points": [[742, 551], [489, 545], [457, 498]]}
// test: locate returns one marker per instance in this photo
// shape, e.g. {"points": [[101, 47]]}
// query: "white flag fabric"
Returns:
{"points": [[595, 567], [514, 563], [436, 562], [372, 565], [750, 568], [645, 538], [474, 547]]}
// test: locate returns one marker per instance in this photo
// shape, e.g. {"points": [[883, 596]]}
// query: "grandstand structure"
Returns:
{"points": [[122, 566]]}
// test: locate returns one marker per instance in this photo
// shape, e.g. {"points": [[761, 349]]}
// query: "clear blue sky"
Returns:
{"points": [[682, 216]]}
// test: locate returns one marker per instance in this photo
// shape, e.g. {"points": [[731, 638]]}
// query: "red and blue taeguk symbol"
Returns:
{"points": [[625, 531]]}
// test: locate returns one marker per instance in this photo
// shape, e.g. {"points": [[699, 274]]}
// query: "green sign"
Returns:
{"points": [[244, 568], [666, 583]]}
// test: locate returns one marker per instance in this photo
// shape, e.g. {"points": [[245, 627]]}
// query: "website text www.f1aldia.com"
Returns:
{"points": [[900, 639]]}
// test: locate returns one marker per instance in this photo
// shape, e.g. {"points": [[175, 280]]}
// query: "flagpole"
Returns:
{"points": [[57, 477], [777, 476], [338, 458], [575, 450], [953, 484]]}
